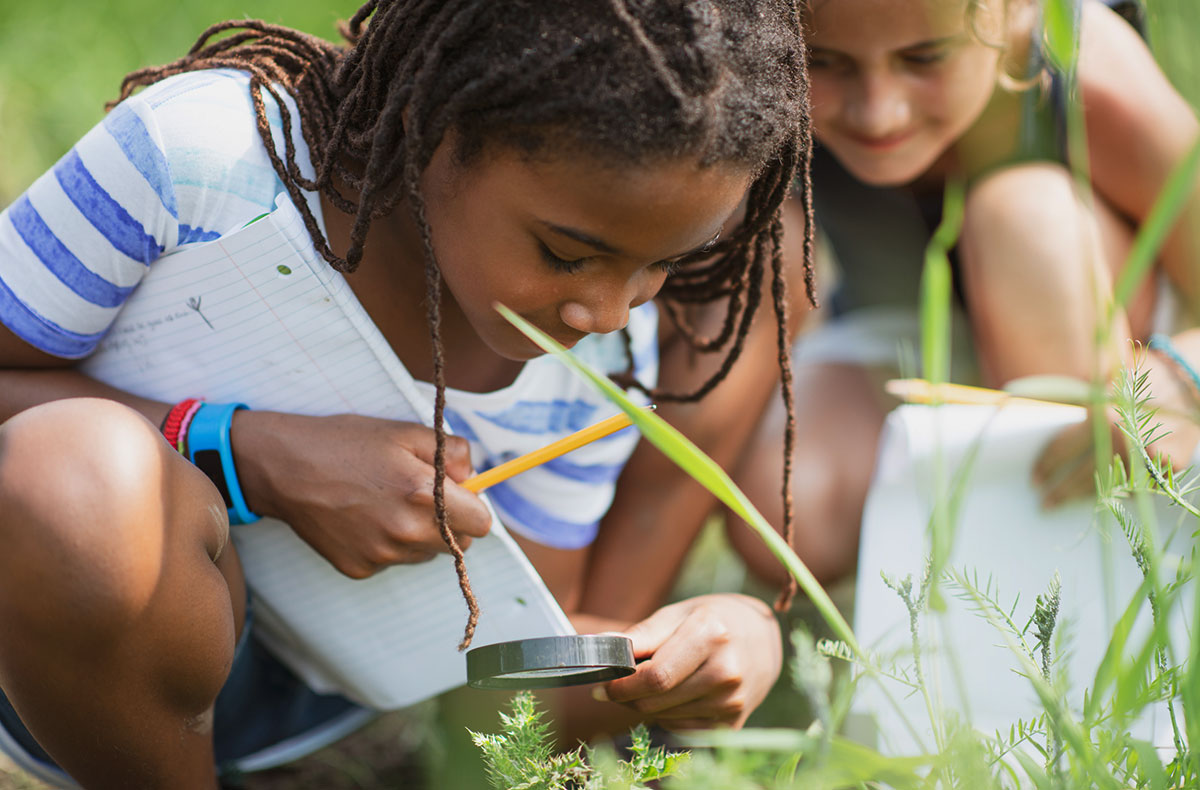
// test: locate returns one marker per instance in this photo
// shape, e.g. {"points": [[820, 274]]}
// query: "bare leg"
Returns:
{"points": [[1036, 266], [1034, 261], [121, 597], [839, 414]]}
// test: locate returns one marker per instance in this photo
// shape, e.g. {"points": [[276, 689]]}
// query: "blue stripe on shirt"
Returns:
{"points": [[537, 417], [60, 261], [551, 530], [188, 234], [459, 426], [40, 332], [589, 473], [107, 215], [134, 139]]}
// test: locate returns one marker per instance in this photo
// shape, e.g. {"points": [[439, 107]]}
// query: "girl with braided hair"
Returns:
{"points": [[574, 161]]}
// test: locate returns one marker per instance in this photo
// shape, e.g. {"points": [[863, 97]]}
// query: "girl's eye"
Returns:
{"points": [[670, 267], [924, 58], [559, 264], [819, 62]]}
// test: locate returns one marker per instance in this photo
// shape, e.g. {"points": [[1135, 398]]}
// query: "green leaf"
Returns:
{"points": [[703, 469], [1058, 20], [1109, 667], [1149, 765], [936, 288]]}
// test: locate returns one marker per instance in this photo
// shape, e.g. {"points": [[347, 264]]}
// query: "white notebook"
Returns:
{"points": [[1002, 533], [256, 317]]}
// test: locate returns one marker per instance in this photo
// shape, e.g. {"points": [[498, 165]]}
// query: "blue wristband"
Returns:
{"points": [[209, 449]]}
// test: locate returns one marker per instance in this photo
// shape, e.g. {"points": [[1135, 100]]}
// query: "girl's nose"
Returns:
{"points": [[606, 307], [880, 108], [595, 316]]}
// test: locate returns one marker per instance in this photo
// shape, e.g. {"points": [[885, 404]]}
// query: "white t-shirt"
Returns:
{"points": [[182, 162]]}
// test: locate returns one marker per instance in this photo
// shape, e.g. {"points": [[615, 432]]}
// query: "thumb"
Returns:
{"points": [[650, 634]]}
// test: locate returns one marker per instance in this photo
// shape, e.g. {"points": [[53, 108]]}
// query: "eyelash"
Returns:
{"points": [[570, 267], [557, 263], [925, 59]]}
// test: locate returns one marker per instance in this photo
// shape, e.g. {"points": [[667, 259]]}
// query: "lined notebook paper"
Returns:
{"points": [[1003, 534], [256, 317]]}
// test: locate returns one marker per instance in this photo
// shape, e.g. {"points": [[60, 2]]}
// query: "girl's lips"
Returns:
{"points": [[880, 143]]}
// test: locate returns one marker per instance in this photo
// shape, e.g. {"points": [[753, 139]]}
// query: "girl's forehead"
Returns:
{"points": [[849, 24]]}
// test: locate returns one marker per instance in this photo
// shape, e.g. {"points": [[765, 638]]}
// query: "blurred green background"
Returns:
{"points": [[60, 62]]}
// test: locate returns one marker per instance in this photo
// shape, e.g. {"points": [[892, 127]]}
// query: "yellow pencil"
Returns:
{"points": [[921, 391], [498, 474]]}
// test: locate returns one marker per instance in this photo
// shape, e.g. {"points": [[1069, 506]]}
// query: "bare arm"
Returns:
{"points": [[29, 377], [1138, 129], [362, 502], [659, 510]]}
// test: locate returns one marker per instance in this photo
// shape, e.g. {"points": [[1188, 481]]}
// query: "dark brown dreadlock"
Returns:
{"points": [[628, 81]]}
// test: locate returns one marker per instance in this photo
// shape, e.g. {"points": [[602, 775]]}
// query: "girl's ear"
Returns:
{"points": [[1020, 33]]}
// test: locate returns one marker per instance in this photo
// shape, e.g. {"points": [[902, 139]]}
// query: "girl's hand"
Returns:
{"points": [[709, 662], [358, 490], [1066, 467]]}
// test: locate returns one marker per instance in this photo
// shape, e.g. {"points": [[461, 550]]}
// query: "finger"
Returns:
{"points": [[467, 513], [707, 690], [1065, 449], [429, 541], [422, 443], [650, 634], [368, 566], [720, 707], [458, 459], [1079, 482], [666, 679], [416, 557]]}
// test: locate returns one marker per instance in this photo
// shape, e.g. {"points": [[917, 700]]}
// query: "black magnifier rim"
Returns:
{"points": [[581, 658]]}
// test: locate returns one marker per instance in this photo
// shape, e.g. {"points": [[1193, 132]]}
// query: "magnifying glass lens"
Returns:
{"points": [[550, 661]]}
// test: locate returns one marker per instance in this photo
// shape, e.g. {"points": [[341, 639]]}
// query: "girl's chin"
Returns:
{"points": [[886, 174], [885, 170]]}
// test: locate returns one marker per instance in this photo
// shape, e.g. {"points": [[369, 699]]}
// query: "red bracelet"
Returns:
{"points": [[173, 425], [181, 444]]}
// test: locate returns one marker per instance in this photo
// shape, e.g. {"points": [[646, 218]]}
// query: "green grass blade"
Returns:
{"points": [[1149, 766], [1108, 670], [936, 288], [1058, 20], [1190, 685], [706, 471]]}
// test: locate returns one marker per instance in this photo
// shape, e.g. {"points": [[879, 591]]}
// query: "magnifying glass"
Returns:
{"points": [[550, 661]]}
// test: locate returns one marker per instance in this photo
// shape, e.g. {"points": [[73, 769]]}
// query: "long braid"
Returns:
{"points": [[721, 80]]}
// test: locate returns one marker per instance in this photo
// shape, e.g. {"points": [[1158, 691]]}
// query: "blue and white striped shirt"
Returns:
{"points": [[182, 162]]}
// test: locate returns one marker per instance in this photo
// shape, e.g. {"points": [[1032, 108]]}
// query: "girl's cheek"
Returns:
{"points": [[825, 100]]}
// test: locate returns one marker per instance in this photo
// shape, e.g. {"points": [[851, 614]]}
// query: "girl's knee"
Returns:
{"points": [[82, 487], [1022, 202]]}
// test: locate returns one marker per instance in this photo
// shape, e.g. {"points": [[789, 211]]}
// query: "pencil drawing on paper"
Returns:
{"points": [[194, 303]]}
